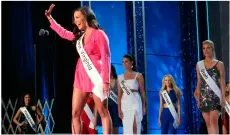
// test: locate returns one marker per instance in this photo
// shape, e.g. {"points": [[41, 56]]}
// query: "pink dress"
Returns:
{"points": [[97, 48]]}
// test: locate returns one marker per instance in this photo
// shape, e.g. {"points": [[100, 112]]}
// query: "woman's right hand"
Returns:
{"points": [[48, 12], [120, 114], [159, 122]]}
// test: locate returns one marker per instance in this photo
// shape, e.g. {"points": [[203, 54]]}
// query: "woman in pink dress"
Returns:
{"points": [[96, 45]]}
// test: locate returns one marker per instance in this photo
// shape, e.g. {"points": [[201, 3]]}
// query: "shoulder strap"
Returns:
{"points": [[136, 75], [216, 63]]}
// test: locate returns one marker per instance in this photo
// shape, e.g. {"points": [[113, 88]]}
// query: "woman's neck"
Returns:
{"points": [[129, 71], [209, 59], [88, 30], [168, 88]]}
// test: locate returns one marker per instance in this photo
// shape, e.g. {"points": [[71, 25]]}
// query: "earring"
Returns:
{"points": [[132, 66]]}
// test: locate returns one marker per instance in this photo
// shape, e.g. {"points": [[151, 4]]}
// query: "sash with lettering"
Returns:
{"points": [[125, 87], [113, 96], [91, 71], [90, 116], [171, 107], [29, 118], [211, 83]]}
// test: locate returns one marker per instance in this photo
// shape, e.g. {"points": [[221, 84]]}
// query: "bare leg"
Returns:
{"points": [[102, 108], [134, 126], [115, 130], [214, 115], [78, 102], [206, 117], [224, 129]]}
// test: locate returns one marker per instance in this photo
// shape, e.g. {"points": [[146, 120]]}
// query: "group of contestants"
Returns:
{"points": [[100, 97], [128, 101]]}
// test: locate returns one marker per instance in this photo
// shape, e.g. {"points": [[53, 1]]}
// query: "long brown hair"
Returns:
{"points": [[90, 18]]}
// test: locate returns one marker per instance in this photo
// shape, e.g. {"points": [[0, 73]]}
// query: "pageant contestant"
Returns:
{"points": [[93, 66], [27, 114], [131, 106], [225, 121], [210, 90], [112, 102], [169, 111], [89, 117]]}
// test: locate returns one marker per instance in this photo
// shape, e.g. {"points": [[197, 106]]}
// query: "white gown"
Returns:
{"points": [[131, 107]]}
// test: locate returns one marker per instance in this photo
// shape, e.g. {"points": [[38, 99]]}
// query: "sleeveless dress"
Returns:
{"points": [[131, 106], [26, 128], [166, 117], [209, 101], [113, 110]]}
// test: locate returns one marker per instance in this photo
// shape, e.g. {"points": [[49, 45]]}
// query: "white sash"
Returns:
{"points": [[125, 87], [171, 107], [212, 84], [90, 115], [91, 71], [29, 118], [113, 96], [227, 108]]}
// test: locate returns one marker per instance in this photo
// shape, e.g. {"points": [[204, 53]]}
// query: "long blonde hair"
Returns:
{"points": [[174, 86], [211, 44]]}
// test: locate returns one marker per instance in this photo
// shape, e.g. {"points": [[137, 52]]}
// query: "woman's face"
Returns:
{"points": [[168, 82], [207, 50], [80, 20], [127, 64], [27, 99]]}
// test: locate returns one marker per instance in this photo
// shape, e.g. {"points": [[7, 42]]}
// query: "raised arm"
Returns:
{"points": [[62, 32], [220, 67], [103, 44], [140, 80]]}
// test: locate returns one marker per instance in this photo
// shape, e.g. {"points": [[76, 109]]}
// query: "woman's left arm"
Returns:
{"points": [[220, 67], [142, 91], [103, 43], [41, 116], [178, 108]]}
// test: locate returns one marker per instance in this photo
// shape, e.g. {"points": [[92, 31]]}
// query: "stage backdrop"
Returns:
{"points": [[112, 18], [163, 55]]}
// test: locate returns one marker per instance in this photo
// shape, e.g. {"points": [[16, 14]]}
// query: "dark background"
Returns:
{"points": [[55, 57]]}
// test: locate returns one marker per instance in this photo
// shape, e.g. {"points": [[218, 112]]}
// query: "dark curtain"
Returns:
{"points": [[18, 60], [47, 60]]}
